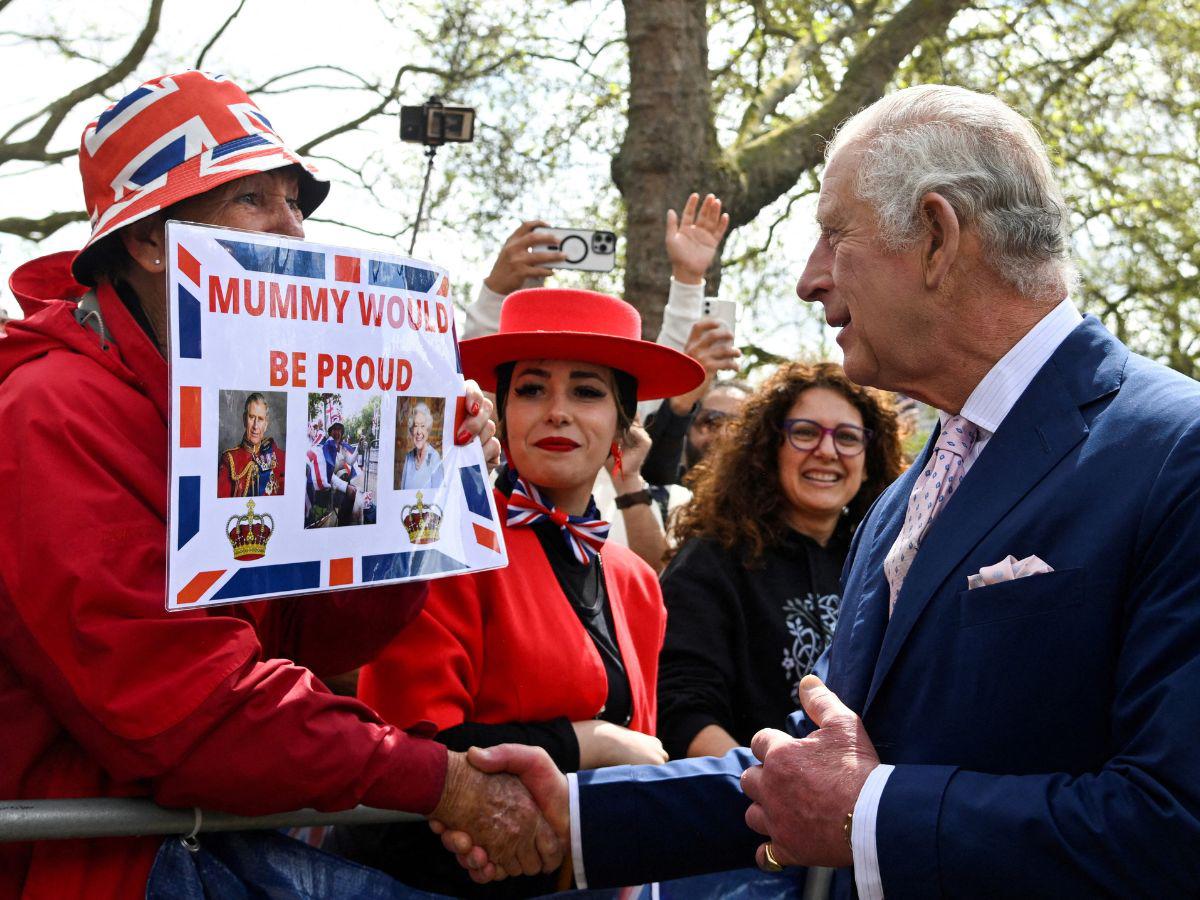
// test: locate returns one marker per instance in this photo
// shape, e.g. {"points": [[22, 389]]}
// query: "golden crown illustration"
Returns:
{"points": [[249, 533], [422, 522]]}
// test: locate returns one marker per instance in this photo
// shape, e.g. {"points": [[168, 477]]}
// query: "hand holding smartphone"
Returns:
{"points": [[587, 251]]}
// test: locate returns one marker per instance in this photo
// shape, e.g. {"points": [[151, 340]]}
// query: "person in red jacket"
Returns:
{"points": [[559, 649], [102, 693]]}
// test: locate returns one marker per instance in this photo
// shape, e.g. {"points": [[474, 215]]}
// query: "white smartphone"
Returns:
{"points": [[587, 251], [725, 310]]}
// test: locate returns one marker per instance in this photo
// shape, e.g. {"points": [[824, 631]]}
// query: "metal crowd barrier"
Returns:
{"points": [[43, 820]]}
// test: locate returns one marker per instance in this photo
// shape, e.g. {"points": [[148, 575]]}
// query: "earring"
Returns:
{"points": [[158, 262], [615, 452]]}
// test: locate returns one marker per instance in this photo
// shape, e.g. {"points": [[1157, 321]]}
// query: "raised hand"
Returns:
{"points": [[608, 744], [804, 788], [544, 782], [518, 260], [693, 238], [497, 814]]}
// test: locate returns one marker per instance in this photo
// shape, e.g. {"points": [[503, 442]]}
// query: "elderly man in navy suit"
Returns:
{"points": [[1011, 705]]}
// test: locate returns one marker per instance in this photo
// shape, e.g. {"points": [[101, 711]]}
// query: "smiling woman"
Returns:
{"points": [[753, 591], [560, 649]]}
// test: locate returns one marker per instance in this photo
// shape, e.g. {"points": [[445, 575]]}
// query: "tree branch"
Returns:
{"points": [[216, 37], [772, 163], [39, 229], [35, 148]]}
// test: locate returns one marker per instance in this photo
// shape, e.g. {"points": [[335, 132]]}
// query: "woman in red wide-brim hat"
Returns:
{"points": [[559, 649]]}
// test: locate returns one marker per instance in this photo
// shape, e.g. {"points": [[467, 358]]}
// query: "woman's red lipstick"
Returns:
{"points": [[556, 444]]}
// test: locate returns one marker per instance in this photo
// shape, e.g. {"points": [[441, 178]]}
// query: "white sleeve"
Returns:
{"points": [[867, 877], [576, 831], [483, 316], [680, 314]]}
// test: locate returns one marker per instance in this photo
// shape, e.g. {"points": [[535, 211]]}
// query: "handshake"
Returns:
{"points": [[504, 812]]}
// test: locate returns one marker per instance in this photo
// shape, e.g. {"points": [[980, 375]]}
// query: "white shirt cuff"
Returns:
{"points": [[681, 312], [576, 843], [867, 877]]}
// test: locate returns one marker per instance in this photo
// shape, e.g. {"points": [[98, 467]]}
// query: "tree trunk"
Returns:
{"points": [[670, 146]]}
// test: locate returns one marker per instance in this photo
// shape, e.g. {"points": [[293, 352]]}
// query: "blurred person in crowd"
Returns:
{"points": [[560, 649], [255, 467], [422, 464], [1014, 684], [104, 693], [717, 409], [752, 594]]}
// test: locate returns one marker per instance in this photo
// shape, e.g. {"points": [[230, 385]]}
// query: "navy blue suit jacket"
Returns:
{"points": [[1046, 731]]}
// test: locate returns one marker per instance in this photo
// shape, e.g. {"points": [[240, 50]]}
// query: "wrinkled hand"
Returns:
{"points": [[635, 447], [496, 813], [518, 260], [693, 238], [608, 744], [544, 782], [710, 343], [477, 422], [804, 788]]}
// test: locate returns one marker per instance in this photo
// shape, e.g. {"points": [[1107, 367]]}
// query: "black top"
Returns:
{"points": [[740, 639], [668, 433]]}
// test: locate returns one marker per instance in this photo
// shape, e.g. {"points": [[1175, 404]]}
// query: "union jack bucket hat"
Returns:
{"points": [[175, 137]]}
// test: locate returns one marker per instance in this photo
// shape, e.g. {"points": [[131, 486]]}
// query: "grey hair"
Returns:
{"points": [[420, 407], [988, 162]]}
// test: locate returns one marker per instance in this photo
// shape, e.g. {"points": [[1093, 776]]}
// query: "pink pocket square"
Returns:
{"points": [[1008, 569]]}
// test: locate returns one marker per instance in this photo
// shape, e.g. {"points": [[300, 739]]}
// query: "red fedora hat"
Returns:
{"points": [[561, 323]]}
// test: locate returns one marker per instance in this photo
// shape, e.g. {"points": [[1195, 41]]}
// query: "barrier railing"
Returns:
{"points": [[42, 820]]}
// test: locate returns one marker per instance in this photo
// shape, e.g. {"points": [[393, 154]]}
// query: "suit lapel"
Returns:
{"points": [[861, 626], [1043, 426]]}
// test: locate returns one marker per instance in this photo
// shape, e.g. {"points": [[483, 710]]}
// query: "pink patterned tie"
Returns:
{"points": [[933, 490]]}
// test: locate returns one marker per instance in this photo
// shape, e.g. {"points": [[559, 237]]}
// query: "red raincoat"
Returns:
{"points": [[102, 693]]}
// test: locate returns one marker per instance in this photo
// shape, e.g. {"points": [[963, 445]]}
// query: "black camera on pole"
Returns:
{"points": [[434, 123]]}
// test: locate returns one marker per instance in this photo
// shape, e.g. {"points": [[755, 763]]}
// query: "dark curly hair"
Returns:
{"points": [[737, 500]]}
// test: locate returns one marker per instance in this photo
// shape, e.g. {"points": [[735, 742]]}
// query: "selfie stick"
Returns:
{"points": [[430, 150]]}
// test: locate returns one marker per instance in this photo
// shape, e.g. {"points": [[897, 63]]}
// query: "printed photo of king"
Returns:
{"points": [[255, 466]]}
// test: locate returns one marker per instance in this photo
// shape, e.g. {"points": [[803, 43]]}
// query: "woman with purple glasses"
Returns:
{"points": [[752, 594]]}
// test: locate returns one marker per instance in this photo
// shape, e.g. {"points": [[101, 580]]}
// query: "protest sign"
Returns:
{"points": [[314, 392]]}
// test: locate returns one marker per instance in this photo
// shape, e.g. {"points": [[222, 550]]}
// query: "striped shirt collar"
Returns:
{"points": [[1003, 386]]}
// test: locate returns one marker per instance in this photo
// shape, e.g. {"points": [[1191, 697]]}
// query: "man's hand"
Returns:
{"points": [[518, 260], [692, 239], [495, 813], [548, 787], [710, 343], [477, 422], [804, 788]]}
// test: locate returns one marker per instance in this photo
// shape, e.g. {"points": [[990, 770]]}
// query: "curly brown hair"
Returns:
{"points": [[737, 500]]}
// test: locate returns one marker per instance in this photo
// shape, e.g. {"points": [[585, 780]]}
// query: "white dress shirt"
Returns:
{"points": [[986, 408]]}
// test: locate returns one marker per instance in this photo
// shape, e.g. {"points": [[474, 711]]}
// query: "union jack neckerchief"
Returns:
{"points": [[584, 534]]}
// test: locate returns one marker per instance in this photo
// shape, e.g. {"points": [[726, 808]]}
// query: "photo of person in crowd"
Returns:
{"points": [[254, 467], [418, 435], [343, 462]]}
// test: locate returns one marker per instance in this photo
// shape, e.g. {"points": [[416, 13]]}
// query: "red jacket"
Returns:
{"points": [[103, 693], [506, 645]]}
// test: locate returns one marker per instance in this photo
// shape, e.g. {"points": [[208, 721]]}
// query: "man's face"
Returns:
{"points": [[716, 410], [256, 419], [873, 296]]}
